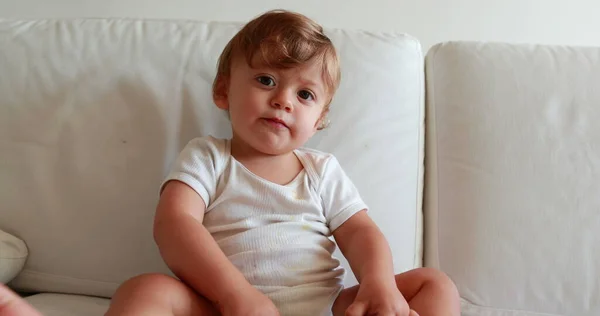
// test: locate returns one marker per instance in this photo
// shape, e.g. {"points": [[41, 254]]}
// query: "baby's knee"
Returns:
{"points": [[150, 286], [150, 281], [439, 280], [158, 294]]}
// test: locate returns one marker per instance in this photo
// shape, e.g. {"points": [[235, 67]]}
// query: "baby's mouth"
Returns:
{"points": [[275, 122]]}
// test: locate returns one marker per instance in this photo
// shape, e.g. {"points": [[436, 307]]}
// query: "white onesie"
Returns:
{"points": [[278, 236]]}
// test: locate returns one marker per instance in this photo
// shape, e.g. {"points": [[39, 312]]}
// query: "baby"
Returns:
{"points": [[244, 223]]}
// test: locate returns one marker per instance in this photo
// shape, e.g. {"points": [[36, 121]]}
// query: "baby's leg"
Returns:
{"points": [[428, 291], [160, 295]]}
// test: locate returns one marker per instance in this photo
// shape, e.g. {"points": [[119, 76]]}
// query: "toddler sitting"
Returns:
{"points": [[245, 222]]}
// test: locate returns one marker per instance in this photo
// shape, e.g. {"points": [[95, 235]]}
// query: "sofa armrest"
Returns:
{"points": [[13, 254]]}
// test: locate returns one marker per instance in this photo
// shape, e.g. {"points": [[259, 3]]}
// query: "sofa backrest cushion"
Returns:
{"points": [[513, 176], [93, 112]]}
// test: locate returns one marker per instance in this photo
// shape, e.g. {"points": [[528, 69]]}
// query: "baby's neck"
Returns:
{"points": [[280, 169]]}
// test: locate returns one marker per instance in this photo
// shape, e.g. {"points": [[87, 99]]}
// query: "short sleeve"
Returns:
{"points": [[197, 166], [340, 197]]}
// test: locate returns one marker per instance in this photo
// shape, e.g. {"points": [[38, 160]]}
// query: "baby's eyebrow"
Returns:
{"points": [[309, 82]]}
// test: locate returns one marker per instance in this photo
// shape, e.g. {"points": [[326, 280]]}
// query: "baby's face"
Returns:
{"points": [[275, 110]]}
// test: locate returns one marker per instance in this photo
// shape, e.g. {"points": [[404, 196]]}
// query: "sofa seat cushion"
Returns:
{"points": [[68, 305]]}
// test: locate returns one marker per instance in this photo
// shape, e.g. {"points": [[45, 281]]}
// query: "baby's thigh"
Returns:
{"points": [[158, 294]]}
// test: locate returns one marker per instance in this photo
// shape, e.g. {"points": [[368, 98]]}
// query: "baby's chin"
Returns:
{"points": [[273, 147], [274, 150]]}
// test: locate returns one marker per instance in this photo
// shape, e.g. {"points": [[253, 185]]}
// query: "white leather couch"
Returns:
{"points": [[479, 159]]}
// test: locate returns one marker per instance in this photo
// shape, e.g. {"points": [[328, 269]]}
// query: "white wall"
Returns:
{"points": [[537, 21]]}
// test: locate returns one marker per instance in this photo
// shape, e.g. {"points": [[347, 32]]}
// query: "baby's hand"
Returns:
{"points": [[13, 305], [250, 303], [379, 298]]}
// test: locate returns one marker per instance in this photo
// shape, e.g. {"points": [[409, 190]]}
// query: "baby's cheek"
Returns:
{"points": [[304, 134]]}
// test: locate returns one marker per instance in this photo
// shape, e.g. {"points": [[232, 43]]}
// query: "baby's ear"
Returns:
{"points": [[220, 89], [323, 121]]}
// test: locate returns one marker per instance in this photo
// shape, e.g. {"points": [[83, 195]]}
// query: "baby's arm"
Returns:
{"points": [[366, 249], [193, 255], [370, 258]]}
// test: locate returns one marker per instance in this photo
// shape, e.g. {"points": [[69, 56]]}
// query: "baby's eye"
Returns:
{"points": [[266, 80], [306, 95]]}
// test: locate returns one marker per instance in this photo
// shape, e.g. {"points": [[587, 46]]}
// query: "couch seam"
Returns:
{"points": [[419, 251], [469, 303], [13, 258], [430, 106], [437, 169], [32, 272]]}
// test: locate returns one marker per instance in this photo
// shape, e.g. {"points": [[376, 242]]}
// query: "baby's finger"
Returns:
{"points": [[413, 313], [12, 305], [357, 309]]}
